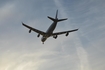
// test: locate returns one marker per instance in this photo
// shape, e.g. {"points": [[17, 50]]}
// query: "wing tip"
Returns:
{"points": [[22, 23], [77, 29]]}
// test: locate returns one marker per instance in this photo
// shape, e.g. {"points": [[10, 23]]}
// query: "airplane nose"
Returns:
{"points": [[43, 39]]}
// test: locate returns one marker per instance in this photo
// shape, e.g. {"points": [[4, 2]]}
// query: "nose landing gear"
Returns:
{"points": [[42, 42]]}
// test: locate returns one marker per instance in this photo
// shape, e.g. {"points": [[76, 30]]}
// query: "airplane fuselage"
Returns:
{"points": [[49, 31], [51, 28]]}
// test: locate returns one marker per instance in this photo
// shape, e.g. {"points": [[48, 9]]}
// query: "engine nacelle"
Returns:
{"points": [[30, 31], [67, 33], [38, 35], [55, 36]]}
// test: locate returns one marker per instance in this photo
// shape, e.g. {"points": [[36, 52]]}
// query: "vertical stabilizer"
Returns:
{"points": [[56, 15]]}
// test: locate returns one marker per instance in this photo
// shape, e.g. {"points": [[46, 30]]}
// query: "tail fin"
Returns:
{"points": [[56, 19], [56, 14]]}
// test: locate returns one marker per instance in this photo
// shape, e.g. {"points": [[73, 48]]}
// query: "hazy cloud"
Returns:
{"points": [[81, 50]]}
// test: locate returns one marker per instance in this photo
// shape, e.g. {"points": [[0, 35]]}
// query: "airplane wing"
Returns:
{"points": [[35, 30], [59, 33]]}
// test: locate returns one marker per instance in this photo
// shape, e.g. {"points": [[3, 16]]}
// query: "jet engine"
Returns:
{"points": [[55, 36], [38, 35], [67, 33], [30, 31]]}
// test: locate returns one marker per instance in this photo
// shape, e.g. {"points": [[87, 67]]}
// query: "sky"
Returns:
{"points": [[81, 50]]}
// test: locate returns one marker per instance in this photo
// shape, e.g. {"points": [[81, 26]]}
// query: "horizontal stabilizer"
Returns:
{"points": [[56, 19], [62, 19], [51, 18]]}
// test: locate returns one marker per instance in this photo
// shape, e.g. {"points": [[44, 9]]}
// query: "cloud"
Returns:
{"points": [[19, 61], [6, 12], [82, 54]]}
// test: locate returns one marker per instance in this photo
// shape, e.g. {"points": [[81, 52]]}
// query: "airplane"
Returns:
{"points": [[50, 30]]}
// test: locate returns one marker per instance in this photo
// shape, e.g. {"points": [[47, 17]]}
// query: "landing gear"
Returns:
{"points": [[42, 42]]}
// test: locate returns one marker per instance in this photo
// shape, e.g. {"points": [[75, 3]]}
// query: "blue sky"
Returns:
{"points": [[81, 50]]}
